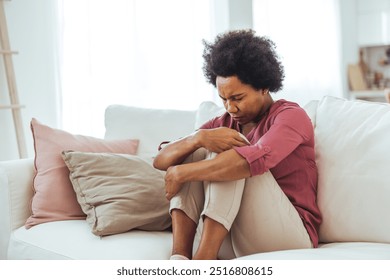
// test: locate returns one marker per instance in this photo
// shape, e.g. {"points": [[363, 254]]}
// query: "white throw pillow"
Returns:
{"points": [[206, 111], [311, 110], [352, 144]]}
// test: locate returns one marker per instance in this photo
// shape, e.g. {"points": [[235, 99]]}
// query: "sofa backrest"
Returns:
{"points": [[150, 126], [353, 158]]}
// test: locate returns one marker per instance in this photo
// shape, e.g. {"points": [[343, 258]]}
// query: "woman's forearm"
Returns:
{"points": [[215, 140], [226, 166], [175, 152]]}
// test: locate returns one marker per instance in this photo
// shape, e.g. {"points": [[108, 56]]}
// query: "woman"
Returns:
{"points": [[251, 172]]}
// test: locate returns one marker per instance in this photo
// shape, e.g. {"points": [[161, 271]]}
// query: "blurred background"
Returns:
{"points": [[76, 57]]}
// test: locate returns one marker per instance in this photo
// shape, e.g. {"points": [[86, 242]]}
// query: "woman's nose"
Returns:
{"points": [[231, 107]]}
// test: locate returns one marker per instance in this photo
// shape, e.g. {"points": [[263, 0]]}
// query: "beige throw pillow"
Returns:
{"points": [[118, 192]]}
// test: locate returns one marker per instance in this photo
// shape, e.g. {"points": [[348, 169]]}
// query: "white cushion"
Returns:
{"points": [[311, 110], [352, 142], [332, 251], [206, 111], [150, 126], [74, 240]]}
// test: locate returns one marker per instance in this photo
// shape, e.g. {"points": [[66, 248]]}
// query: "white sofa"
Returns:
{"points": [[353, 157]]}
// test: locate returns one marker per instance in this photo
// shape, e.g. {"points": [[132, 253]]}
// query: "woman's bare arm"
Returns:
{"points": [[226, 166], [215, 140]]}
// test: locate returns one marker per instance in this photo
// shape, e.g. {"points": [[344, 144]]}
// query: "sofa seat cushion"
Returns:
{"points": [[74, 240], [330, 251]]}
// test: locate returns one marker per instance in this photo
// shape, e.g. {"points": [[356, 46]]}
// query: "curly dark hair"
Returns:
{"points": [[243, 54]]}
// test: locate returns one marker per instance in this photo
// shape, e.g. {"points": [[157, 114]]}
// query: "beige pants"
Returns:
{"points": [[255, 211]]}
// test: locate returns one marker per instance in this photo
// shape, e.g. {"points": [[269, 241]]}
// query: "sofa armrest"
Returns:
{"points": [[16, 191]]}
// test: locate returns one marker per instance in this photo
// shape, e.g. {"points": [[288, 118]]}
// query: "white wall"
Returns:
{"points": [[349, 39], [240, 14], [31, 33], [231, 15]]}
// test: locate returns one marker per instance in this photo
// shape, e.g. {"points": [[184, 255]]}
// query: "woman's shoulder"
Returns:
{"points": [[288, 107], [222, 120], [290, 114], [285, 104]]}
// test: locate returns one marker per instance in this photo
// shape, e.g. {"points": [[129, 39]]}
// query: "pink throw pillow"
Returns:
{"points": [[54, 198]]}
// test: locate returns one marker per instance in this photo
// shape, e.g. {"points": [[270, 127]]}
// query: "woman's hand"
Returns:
{"points": [[172, 182], [220, 139], [226, 166]]}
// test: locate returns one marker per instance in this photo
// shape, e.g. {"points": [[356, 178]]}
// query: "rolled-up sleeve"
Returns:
{"points": [[275, 145], [255, 156]]}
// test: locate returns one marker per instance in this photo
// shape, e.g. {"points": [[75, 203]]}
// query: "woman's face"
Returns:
{"points": [[244, 103]]}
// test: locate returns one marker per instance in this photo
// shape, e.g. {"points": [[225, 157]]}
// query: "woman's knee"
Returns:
{"points": [[267, 220]]}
